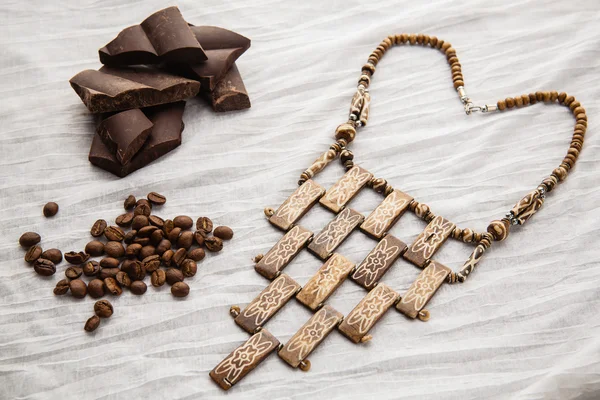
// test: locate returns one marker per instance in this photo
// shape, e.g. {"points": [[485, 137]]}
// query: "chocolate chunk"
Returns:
{"points": [[222, 47], [230, 93], [163, 36], [125, 133], [165, 136], [116, 89]]}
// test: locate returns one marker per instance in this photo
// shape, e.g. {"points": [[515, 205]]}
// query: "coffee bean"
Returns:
{"points": [[163, 246], [146, 251], [124, 219], [213, 244], [129, 202], [78, 288], [94, 248], [174, 275], [73, 272], [33, 253], [113, 287], [50, 209], [109, 262], [44, 267], [114, 249], [158, 278], [114, 233], [28, 239], [130, 236], [146, 231], [204, 224], [167, 257], [138, 288], [127, 264], [103, 309], [62, 287], [123, 279], [185, 240], [168, 226], [223, 232], [199, 237], [96, 288], [156, 198], [92, 324], [196, 254], [179, 256], [174, 234], [183, 222], [76, 258], [98, 228], [151, 263], [133, 250], [91, 268], [180, 289], [156, 236], [54, 255], [142, 209], [189, 268], [156, 221], [142, 241], [108, 273], [136, 271], [139, 221], [143, 202]]}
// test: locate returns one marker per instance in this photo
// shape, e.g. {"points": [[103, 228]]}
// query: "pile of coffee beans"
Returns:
{"points": [[140, 244]]}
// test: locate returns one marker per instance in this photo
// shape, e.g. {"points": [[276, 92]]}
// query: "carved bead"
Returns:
{"points": [[388, 190], [346, 132], [378, 184], [467, 235], [364, 111], [560, 173], [457, 233], [499, 229], [422, 210]]}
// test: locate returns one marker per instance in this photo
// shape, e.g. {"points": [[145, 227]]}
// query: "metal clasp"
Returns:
{"points": [[470, 108]]}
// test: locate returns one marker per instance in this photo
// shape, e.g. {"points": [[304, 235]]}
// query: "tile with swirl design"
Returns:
{"points": [[267, 303], [336, 231], [312, 333], [378, 261], [366, 314], [297, 204], [322, 285], [346, 188], [423, 289], [386, 214], [429, 241], [283, 252], [244, 359]]}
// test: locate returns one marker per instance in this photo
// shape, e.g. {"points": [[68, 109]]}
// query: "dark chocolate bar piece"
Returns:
{"points": [[125, 133], [165, 136], [116, 89], [230, 93], [163, 36]]}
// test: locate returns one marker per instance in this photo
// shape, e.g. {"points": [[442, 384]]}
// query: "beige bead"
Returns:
{"points": [[378, 184], [467, 235], [510, 102], [346, 132], [560, 173], [433, 40], [562, 96], [499, 229], [525, 99], [422, 210], [501, 105]]}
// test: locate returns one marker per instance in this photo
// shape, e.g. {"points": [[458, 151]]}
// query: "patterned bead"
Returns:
{"points": [[347, 158], [421, 210], [467, 235], [560, 173], [378, 184], [346, 132], [457, 233], [499, 229], [388, 189]]}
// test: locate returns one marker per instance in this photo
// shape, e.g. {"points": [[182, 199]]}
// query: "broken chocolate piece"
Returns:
{"points": [[230, 93], [163, 36], [165, 136], [116, 89], [124, 133]]}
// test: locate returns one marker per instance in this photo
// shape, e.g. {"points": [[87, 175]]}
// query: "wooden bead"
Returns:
{"points": [[576, 145], [364, 80], [570, 160], [468, 235], [574, 105], [433, 40], [560, 173], [445, 46], [477, 237], [439, 44], [388, 190], [426, 40], [562, 96], [457, 233], [499, 229], [422, 210], [452, 60], [403, 38], [458, 84], [553, 96], [546, 96], [519, 101], [455, 68], [378, 184], [420, 38], [525, 99], [501, 105], [580, 127], [569, 100], [510, 102], [369, 67], [550, 182], [565, 166], [539, 96], [532, 98], [412, 38], [346, 132]]}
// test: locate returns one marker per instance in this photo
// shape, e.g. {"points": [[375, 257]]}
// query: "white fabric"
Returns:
{"points": [[524, 326]]}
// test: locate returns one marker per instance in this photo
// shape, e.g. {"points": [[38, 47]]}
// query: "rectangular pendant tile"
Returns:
{"points": [[429, 241], [422, 289], [244, 359], [386, 214], [297, 204], [346, 188], [379, 260], [283, 252], [322, 285], [267, 303], [366, 314], [312, 333], [336, 231]]}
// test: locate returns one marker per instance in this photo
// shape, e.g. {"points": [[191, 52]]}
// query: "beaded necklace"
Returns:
{"points": [[368, 274]]}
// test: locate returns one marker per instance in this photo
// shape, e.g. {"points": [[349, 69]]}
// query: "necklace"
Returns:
{"points": [[337, 268]]}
